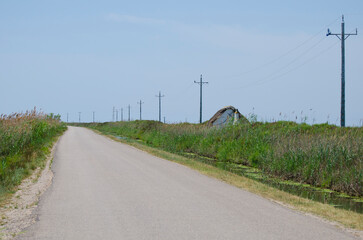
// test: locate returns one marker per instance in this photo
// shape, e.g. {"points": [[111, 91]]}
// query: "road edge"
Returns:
{"points": [[298, 204], [18, 213]]}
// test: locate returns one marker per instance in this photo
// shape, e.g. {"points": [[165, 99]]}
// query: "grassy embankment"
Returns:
{"points": [[25, 142], [320, 155]]}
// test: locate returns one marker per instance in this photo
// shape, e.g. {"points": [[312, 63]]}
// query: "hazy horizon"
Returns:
{"points": [[272, 59]]}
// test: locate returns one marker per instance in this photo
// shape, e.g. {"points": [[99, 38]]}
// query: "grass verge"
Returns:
{"points": [[321, 155], [26, 140], [343, 217]]}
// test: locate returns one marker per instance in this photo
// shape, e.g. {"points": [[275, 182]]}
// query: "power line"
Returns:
{"points": [[140, 107], [160, 96], [342, 37], [269, 79], [286, 53], [287, 65], [182, 92], [201, 98]]}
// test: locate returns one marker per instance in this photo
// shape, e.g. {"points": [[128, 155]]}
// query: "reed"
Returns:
{"points": [[25, 139], [321, 155]]}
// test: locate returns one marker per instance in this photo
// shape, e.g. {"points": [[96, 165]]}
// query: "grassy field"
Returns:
{"points": [[321, 155], [25, 140]]}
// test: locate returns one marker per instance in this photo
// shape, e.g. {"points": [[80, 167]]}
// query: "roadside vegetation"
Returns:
{"points": [[321, 155], [25, 141]]}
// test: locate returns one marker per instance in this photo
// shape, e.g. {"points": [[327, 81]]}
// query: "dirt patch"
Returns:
{"points": [[16, 215]]}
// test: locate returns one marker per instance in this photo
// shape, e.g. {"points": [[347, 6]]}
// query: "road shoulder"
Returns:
{"points": [[18, 211]]}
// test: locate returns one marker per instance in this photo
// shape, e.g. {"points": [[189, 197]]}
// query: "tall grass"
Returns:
{"points": [[321, 155], [24, 140]]}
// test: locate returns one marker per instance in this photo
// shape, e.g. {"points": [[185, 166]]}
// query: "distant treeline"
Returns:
{"points": [[321, 155]]}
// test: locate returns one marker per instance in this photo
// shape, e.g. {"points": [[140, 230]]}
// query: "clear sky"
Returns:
{"points": [[270, 58]]}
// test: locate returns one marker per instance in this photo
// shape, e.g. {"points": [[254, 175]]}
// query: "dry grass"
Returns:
{"points": [[321, 155], [25, 139]]}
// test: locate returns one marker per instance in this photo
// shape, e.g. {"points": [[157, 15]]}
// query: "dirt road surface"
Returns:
{"points": [[103, 189]]}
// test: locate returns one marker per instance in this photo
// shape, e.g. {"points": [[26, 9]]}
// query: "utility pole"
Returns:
{"points": [[93, 116], [342, 37], [140, 107], [113, 114], [129, 112], [67, 117], [122, 114], [160, 96], [116, 115], [79, 117], [201, 98], [164, 119]]}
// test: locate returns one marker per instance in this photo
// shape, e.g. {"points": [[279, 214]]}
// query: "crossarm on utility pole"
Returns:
{"points": [[140, 107], [201, 96], [342, 37], [160, 96]]}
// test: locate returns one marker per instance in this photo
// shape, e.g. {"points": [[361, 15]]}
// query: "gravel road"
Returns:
{"points": [[103, 189]]}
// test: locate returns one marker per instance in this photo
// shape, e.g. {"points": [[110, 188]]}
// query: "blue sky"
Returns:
{"points": [[270, 58]]}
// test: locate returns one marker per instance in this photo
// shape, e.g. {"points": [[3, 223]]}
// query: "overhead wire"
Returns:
{"points": [[290, 63], [265, 80], [271, 76], [286, 53]]}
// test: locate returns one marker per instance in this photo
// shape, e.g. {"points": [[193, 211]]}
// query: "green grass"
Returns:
{"points": [[25, 141], [320, 155]]}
